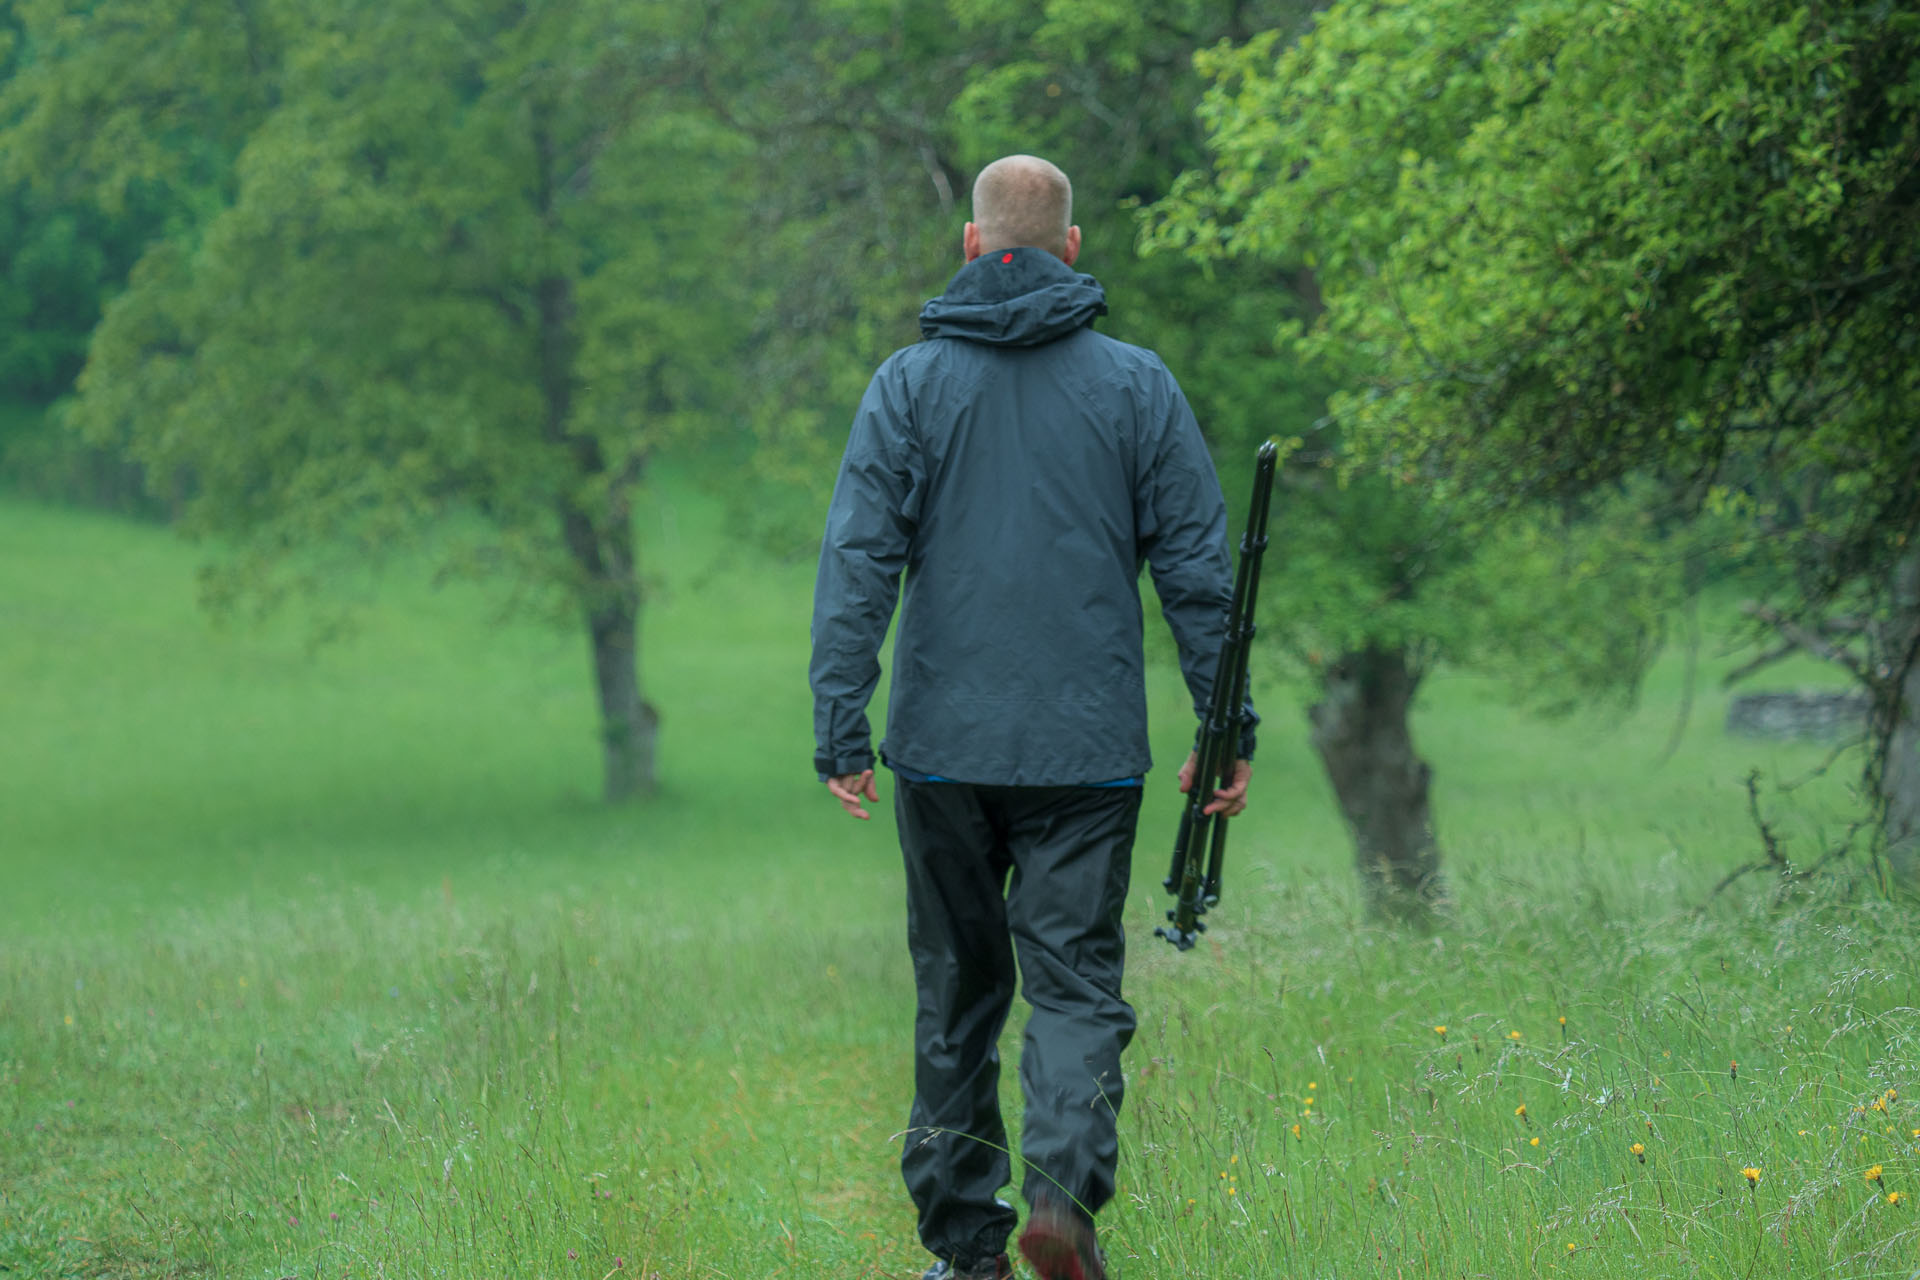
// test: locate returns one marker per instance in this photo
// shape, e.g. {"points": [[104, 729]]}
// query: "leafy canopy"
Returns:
{"points": [[1564, 241], [462, 262]]}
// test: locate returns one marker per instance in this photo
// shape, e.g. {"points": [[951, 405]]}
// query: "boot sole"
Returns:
{"points": [[1054, 1254]]}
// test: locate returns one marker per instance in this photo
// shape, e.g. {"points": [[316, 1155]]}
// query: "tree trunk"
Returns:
{"points": [[1897, 725], [600, 543], [1360, 730], [595, 508], [629, 725]]}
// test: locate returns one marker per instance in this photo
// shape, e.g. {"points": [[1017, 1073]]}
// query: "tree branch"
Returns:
{"points": [[1775, 859], [1785, 650], [1810, 641]]}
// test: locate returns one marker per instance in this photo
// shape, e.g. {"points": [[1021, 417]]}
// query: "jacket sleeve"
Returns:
{"points": [[1180, 520], [870, 527]]}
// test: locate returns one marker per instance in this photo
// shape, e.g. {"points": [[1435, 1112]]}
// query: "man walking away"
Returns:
{"points": [[1017, 467]]}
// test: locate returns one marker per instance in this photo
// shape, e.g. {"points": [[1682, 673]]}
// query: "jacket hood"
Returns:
{"points": [[1014, 298]]}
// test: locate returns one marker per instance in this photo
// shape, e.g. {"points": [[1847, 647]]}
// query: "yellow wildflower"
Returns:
{"points": [[1533, 1142], [1873, 1174], [1639, 1149], [1441, 1031], [1896, 1197], [1752, 1175], [1513, 1035]]}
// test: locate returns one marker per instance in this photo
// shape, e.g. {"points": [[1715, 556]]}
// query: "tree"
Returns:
{"points": [[61, 256], [463, 275], [1565, 244], [1391, 570]]}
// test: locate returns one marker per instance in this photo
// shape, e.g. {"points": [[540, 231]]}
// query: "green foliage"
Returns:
{"points": [[1564, 241], [464, 265], [1564, 612], [53, 268], [112, 98]]}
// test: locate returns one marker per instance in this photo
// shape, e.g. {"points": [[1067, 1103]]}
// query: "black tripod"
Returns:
{"points": [[1203, 836]]}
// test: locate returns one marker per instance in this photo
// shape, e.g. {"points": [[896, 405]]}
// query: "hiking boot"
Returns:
{"points": [[1058, 1242], [996, 1268]]}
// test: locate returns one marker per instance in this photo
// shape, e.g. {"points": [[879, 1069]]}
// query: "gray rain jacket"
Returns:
{"points": [[1019, 467]]}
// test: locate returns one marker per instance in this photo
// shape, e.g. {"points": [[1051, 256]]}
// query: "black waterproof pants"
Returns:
{"points": [[988, 869]]}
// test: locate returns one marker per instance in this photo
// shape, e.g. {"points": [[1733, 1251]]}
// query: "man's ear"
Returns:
{"points": [[1073, 245], [970, 242]]}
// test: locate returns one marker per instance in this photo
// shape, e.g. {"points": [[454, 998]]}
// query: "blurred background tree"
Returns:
{"points": [[1568, 247], [62, 254], [452, 268]]}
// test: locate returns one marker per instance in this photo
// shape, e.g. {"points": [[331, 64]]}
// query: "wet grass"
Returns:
{"points": [[327, 964]]}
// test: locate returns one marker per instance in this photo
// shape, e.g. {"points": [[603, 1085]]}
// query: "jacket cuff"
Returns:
{"points": [[1248, 738], [840, 766]]}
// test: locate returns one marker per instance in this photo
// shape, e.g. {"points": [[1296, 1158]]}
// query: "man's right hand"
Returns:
{"points": [[1226, 800], [850, 788]]}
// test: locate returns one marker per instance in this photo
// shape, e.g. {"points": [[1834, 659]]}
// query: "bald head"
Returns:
{"points": [[1023, 201]]}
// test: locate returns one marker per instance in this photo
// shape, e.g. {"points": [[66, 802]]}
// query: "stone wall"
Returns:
{"points": [[1802, 713]]}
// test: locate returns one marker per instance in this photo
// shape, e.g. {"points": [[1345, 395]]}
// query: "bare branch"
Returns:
{"points": [[1820, 770], [1775, 860], [1811, 642], [1786, 650]]}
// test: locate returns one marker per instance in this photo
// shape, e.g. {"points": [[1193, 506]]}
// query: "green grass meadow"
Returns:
{"points": [[327, 963]]}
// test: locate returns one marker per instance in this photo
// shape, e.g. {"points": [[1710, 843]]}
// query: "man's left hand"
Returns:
{"points": [[849, 788]]}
